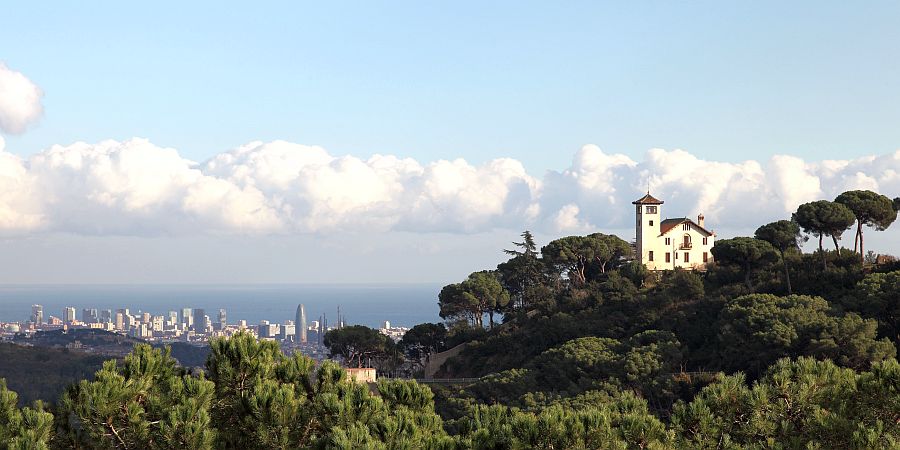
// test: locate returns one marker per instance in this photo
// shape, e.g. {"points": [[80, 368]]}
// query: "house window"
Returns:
{"points": [[704, 256], [686, 242], [686, 227], [704, 241], [669, 257], [650, 255], [651, 210], [668, 241], [687, 257], [651, 223], [676, 256]]}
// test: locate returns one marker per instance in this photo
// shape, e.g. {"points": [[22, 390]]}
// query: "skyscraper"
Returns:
{"points": [[37, 314], [223, 321], [200, 320], [301, 322], [187, 319], [89, 315], [69, 314]]}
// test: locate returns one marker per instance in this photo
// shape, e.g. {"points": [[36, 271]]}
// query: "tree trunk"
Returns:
{"points": [[856, 237], [835, 239], [787, 274], [862, 253], [491, 318], [822, 252]]}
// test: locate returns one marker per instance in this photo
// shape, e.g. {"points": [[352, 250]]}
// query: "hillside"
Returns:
{"points": [[39, 373]]}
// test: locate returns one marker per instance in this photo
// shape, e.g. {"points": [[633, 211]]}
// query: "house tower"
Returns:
{"points": [[648, 211]]}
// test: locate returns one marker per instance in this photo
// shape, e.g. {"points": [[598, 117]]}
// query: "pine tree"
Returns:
{"points": [[145, 403], [25, 428]]}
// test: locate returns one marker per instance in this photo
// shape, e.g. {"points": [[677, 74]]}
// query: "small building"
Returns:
{"points": [[667, 244], [362, 374]]}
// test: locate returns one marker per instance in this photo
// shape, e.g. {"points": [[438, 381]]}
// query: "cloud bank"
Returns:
{"points": [[20, 101], [137, 188]]}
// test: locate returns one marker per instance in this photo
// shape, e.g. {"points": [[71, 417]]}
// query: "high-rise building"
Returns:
{"points": [[386, 325], [301, 322], [200, 323], [288, 331], [267, 330], [68, 314], [223, 321], [173, 319], [159, 323], [106, 316], [187, 318], [89, 315], [37, 314], [123, 319]]}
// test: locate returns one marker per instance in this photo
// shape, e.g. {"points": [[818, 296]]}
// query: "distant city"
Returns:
{"points": [[191, 325]]}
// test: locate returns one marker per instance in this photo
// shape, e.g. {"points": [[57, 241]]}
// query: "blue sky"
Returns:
{"points": [[724, 80], [576, 94]]}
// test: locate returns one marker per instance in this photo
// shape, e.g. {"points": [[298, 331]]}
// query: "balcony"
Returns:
{"points": [[685, 246]]}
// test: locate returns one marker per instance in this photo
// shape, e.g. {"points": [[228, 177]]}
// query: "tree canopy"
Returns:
{"points": [[356, 343], [481, 293], [749, 254], [785, 236], [870, 209]]}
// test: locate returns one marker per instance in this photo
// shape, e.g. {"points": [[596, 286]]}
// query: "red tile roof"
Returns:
{"points": [[647, 200], [666, 225]]}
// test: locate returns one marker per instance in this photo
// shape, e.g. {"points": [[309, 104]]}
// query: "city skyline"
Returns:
{"points": [[187, 325]]}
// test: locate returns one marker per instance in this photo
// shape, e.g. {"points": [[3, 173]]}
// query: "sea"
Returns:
{"points": [[401, 304]]}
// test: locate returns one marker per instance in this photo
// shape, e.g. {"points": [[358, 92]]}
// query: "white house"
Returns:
{"points": [[665, 244]]}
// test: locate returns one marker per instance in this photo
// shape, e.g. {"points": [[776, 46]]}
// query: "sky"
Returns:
{"points": [[405, 142]]}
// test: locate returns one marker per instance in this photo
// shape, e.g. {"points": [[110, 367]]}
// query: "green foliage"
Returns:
{"points": [[756, 330], [146, 402], [748, 254], [680, 286], [40, 373], [797, 404], [424, 338], [870, 209], [358, 343], [276, 401], [478, 295], [267, 400], [878, 296], [625, 423], [785, 236], [823, 218], [523, 275], [25, 428], [573, 255]]}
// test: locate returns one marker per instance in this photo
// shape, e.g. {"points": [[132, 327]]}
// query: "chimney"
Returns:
{"points": [[700, 220]]}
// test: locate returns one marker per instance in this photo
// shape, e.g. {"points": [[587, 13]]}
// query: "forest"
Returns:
{"points": [[572, 344]]}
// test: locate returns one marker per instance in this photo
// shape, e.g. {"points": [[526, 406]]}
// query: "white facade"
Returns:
{"points": [[667, 244]]}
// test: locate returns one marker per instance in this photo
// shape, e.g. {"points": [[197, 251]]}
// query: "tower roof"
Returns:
{"points": [[647, 200]]}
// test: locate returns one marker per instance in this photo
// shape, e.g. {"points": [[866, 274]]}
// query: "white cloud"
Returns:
{"points": [[566, 220], [20, 101], [137, 188]]}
